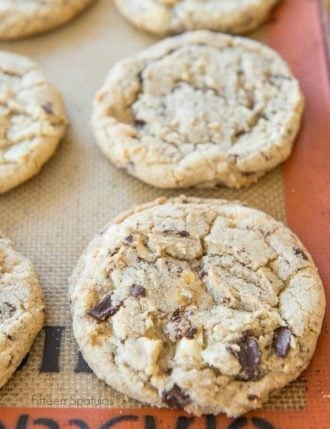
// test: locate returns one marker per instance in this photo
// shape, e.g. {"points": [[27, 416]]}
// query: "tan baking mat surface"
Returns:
{"points": [[52, 218]]}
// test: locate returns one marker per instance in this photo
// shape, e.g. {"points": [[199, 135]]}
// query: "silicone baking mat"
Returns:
{"points": [[52, 218]]}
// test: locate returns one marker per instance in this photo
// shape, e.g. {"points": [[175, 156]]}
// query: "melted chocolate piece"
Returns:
{"points": [[139, 123], [184, 234], [281, 341], [129, 238], [249, 357], [175, 397], [114, 252], [48, 108], [104, 309], [176, 316], [137, 291], [299, 252], [252, 397], [8, 309], [191, 333]]}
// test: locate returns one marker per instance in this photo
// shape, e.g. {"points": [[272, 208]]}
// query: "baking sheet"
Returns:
{"points": [[52, 218]]}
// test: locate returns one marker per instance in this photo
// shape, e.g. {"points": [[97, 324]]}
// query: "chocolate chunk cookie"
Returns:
{"points": [[22, 18], [200, 109], [207, 307], [32, 120], [21, 308], [162, 17]]}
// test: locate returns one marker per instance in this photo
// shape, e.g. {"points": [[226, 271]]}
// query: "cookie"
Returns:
{"points": [[22, 308], [199, 109], [176, 16], [32, 120], [205, 305], [22, 18]]}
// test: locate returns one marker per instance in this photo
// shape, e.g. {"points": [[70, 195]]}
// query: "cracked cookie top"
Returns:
{"points": [[22, 18], [205, 305], [22, 308], [175, 16], [32, 120], [199, 109]]}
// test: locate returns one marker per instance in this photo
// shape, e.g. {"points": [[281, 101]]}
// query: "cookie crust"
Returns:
{"points": [[32, 119], [22, 308], [205, 305], [167, 17], [23, 18], [199, 109]]}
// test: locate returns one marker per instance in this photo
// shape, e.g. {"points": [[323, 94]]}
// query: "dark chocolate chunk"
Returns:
{"points": [[137, 291], [191, 333], [239, 133], [299, 252], [281, 341], [175, 397], [48, 108], [252, 397], [184, 234], [129, 238], [176, 316], [11, 307], [167, 231], [249, 357], [104, 309], [139, 123], [114, 252], [8, 309]]}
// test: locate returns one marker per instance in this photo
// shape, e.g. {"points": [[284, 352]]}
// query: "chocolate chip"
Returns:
{"points": [[8, 310], [183, 234], [239, 133], [191, 333], [176, 316], [139, 123], [252, 397], [48, 108], [129, 238], [175, 397], [104, 309], [249, 357], [114, 252], [299, 252], [137, 291], [10, 306], [202, 274], [281, 341], [167, 231]]}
